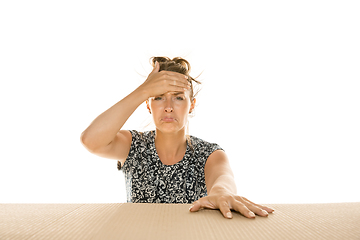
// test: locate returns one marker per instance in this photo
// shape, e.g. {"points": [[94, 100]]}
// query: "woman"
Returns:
{"points": [[167, 165]]}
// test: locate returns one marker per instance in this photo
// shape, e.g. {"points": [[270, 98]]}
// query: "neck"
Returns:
{"points": [[170, 147]]}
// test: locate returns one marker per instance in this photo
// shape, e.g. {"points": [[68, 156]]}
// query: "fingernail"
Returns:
{"points": [[228, 215], [191, 207], [265, 212], [251, 214]]}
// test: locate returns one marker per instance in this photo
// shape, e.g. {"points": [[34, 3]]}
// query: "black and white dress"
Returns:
{"points": [[148, 180]]}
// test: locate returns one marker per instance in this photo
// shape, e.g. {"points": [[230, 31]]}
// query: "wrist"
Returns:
{"points": [[141, 93]]}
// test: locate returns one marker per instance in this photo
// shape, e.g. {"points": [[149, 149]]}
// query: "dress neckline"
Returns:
{"points": [[155, 153]]}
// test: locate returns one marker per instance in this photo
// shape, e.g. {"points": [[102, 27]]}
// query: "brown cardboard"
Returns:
{"points": [[174, 221]]}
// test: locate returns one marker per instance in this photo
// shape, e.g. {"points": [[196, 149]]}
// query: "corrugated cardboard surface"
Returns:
{"points": [[174, 221]]}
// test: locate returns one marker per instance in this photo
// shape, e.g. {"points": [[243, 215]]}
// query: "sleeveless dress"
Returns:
{"points": [[148, 180]]}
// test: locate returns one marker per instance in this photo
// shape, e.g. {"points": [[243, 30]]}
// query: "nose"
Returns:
{"points": [[169, 110], [168, 107]]}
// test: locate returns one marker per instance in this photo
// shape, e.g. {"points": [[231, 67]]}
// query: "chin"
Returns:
{"points": [[169, 128]]}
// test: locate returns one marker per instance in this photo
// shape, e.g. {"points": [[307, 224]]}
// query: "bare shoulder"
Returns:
{"points": [[218, 161], [217, 157]]}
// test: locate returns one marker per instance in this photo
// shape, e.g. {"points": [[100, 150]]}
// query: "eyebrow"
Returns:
{"points": [[173, 93]]}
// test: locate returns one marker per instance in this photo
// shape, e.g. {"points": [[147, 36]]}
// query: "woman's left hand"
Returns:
{"points": [[226, 202]]}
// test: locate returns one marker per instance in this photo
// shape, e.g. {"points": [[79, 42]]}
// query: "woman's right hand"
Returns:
{"points": [[158, 83]]}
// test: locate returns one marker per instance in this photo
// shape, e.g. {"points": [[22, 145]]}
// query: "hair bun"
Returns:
{"points": [[160, 59], [182, 62], [169, 62]]}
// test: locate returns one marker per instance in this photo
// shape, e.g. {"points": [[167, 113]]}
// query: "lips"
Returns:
{"points": [[168, 119]]}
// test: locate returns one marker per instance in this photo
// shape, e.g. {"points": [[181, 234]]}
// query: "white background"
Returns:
{"points": [[280, 92]]}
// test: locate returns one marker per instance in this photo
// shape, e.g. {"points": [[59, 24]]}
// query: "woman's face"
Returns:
{"points": [[171, 110]]}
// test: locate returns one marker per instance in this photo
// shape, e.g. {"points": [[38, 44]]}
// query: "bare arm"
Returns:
{"points": [[222, 190], [218, 174], [104, 136]]}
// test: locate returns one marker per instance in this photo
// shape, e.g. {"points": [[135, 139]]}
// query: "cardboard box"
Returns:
{"points": [[174, 221]]}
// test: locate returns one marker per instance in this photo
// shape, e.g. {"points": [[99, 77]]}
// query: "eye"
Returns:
{"points": [[157, 98], [179, 98]]}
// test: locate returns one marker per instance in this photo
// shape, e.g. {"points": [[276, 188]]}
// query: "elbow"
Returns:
{"points": [[86, 142], [83, 139]]}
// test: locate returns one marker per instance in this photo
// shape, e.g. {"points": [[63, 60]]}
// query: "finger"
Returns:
{"points": [[175, 76], [173, 85], [201, 203], [175, 90], [257, 210], [180, 84], [267, 209], [225, 209], [252, 206], [172, 80], [241, 208], [156, 67], [195, 207]]}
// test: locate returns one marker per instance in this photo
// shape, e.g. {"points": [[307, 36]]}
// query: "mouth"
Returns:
{"points": [[168, 119]]}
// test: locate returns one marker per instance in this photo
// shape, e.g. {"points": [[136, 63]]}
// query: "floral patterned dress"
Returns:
{"points": [[148, 180]]}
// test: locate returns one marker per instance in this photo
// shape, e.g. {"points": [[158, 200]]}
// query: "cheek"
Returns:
{"points": [[182, 107], [156, 106]]}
